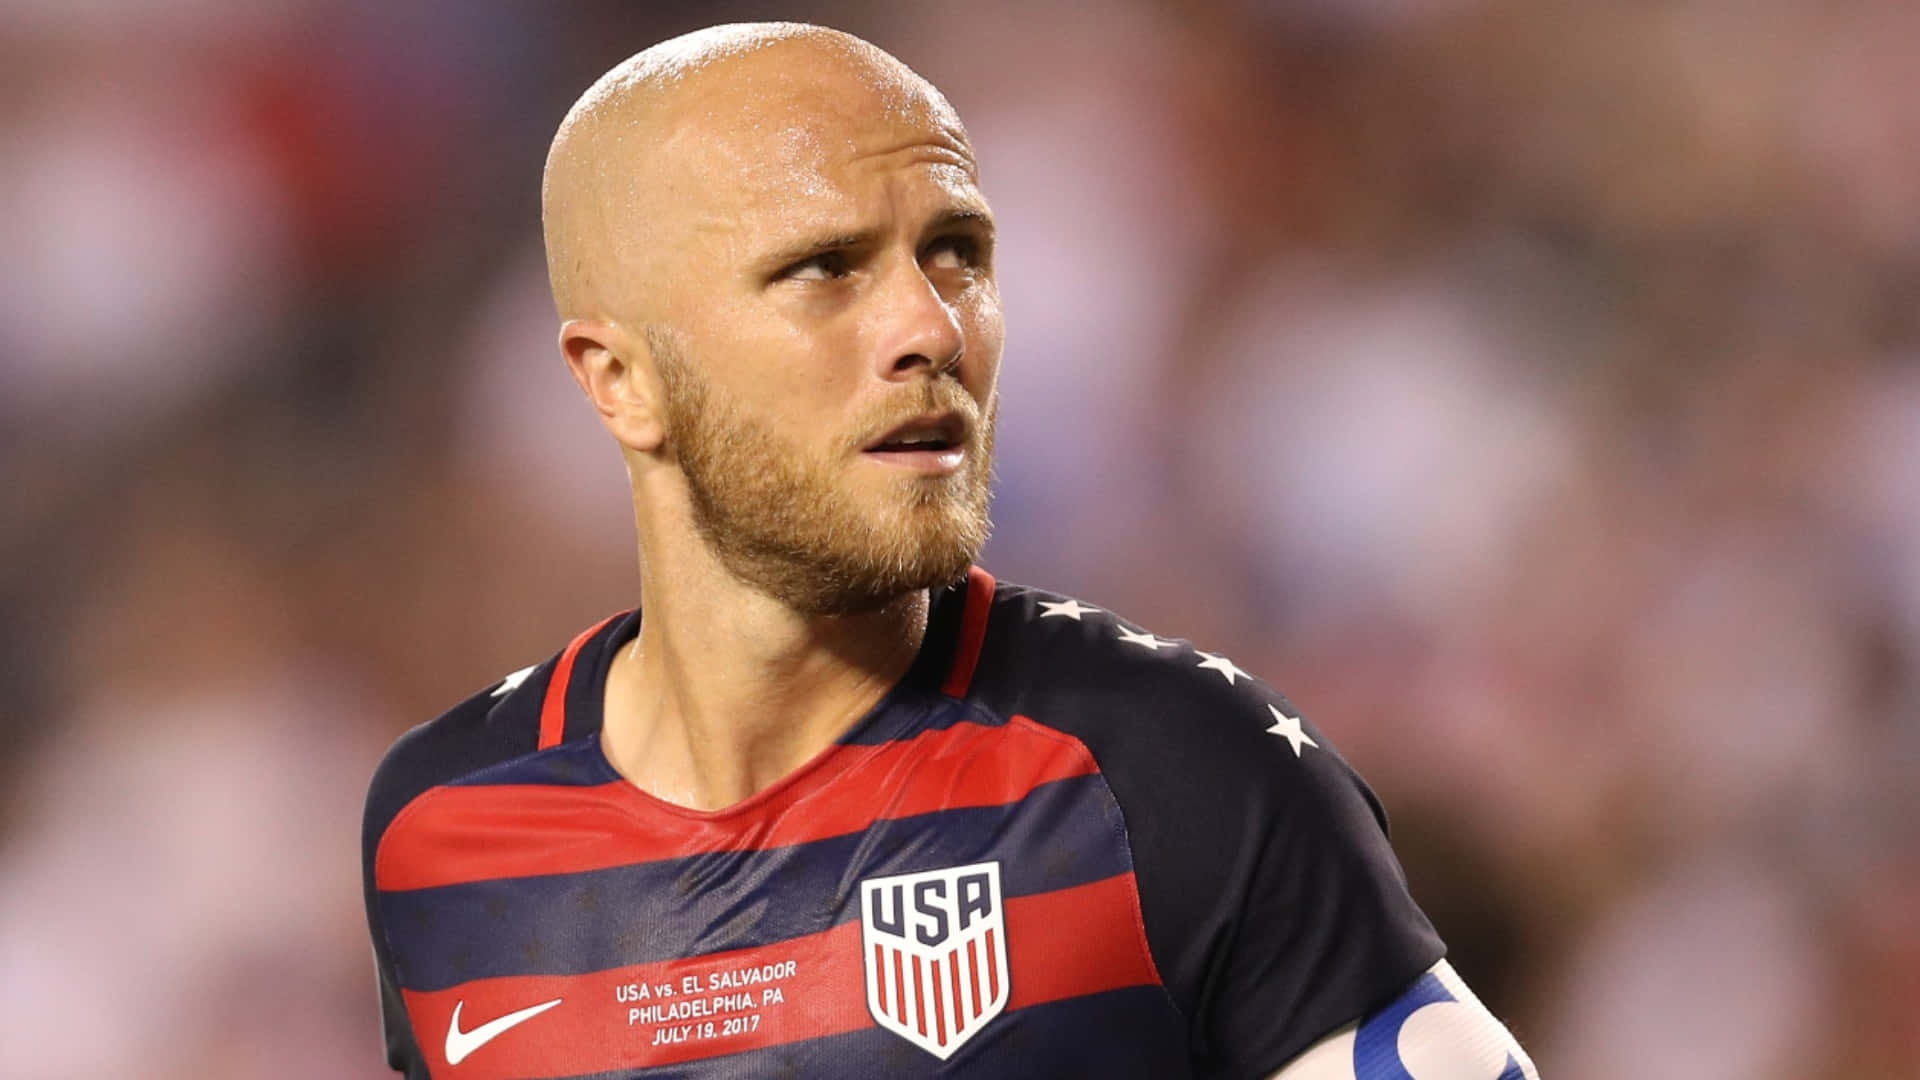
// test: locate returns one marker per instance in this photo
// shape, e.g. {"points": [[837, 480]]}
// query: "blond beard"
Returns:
{"points": [[780, 520]]}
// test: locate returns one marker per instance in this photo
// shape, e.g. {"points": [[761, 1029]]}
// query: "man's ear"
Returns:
{"points": [[614, 368]]}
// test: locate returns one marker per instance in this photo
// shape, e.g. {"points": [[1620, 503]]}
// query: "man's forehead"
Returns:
{"points": [[767, 126], [814, 118], [800, 145]]}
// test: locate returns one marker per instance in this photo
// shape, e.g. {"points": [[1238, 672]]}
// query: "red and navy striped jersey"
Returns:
{"points": [[1060, 846]]}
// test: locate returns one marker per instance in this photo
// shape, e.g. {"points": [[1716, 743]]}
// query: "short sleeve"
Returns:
{"points": [[1271, 901], [1319, 930]]}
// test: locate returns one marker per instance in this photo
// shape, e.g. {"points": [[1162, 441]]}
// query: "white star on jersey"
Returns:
{"points": [[512, 682], [1144, 640], [1072, 609], [1288, 728], [1228, 669]]}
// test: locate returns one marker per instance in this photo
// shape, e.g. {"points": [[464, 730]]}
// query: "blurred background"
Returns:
{"points": [[1529, 388]]}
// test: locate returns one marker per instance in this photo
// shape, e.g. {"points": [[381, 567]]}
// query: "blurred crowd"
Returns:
{"points": [[1530, 389]]}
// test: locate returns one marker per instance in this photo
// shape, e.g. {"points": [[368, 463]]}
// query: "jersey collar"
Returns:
{"points": [[574, 704]]}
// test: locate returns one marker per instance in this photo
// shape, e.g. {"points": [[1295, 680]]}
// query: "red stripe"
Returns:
{"points": [[1073, 942], [452, 835], [953, 969], [973, 632], [899, 988], [919, 996], [993, 969], [553, 710], [1061, 945], [589, 1032], [939, 1003], [973, 972]]}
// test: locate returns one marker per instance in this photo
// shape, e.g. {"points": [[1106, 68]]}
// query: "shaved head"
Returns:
{"points": [[638, 159], [773, 265]]}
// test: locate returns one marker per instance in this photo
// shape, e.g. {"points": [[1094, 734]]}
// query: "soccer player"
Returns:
{"points": [[833, 802]]}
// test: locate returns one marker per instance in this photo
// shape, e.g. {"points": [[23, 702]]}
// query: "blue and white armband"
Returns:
{"points": [[1436, 1030]]}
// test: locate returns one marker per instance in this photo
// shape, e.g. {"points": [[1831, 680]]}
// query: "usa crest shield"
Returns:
{"points": [[936, 953]]}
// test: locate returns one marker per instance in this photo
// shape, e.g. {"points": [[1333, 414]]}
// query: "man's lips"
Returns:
{"points": [[929, 431], [933, 443], [935, 462]]}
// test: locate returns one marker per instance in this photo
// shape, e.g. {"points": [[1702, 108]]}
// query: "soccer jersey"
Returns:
{"points": [[1061, 846]]}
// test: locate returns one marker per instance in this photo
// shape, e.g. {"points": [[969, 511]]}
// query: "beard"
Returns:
{"points": [[786, 520]]}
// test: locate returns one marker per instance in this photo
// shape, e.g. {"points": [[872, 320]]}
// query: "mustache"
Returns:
{"points": [[938, 396]]}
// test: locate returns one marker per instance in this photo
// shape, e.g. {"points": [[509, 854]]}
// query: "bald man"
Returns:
{"points": [[840, 805]]}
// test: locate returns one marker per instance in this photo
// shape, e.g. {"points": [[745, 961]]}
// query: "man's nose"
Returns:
{"points": [[920, 328]]}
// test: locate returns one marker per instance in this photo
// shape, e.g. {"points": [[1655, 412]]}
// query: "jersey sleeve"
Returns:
{"points": [[1272, 902], [1316, 926]]}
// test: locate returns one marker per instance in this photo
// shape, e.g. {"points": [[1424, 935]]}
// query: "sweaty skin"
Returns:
{"points": [[769, 251]]}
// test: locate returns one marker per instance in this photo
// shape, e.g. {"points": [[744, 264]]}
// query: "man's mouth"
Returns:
{"points": [[934, 443]]}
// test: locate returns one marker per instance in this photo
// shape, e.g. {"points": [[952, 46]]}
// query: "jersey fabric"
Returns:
{"points": [[1059, 847]]}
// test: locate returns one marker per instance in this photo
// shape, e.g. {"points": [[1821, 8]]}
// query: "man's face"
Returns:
{"points": [[832, 348]]}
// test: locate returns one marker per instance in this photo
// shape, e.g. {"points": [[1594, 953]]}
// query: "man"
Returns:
{"points": [[834, 803]]}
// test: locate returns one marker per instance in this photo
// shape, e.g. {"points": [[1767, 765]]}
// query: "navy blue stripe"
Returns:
{"points": [[576, 764], [1130, 1034], [907, 712], [1064, 833]]}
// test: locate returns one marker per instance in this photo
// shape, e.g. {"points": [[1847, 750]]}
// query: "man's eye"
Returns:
{"points": [[953, 253], [823, 267]]}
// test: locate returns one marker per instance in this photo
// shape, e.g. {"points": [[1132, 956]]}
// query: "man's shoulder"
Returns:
{"points": [[494, 725], [1164, 717], [510, 718], [1063, 661], [1242, 821]]}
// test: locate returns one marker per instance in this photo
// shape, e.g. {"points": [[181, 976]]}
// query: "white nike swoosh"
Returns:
{"points": [[461, 1043]]}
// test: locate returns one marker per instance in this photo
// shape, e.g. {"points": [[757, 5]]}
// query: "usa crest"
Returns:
{"points": [[936, 953]]}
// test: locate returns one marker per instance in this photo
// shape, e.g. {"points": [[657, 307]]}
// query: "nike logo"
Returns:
{"points": [[461, 1043]]}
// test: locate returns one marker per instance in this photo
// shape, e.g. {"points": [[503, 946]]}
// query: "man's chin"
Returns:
{"points": [[905, 562], [851, 548]]}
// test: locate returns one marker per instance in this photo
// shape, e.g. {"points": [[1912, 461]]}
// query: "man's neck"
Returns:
{"points": [[725, 690]]}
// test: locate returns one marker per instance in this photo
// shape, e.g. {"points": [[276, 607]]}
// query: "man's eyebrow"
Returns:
{"points": [[968, 216], [816, 245], [959, 217]]}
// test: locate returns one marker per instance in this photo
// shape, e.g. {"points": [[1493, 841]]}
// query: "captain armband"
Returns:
{"points": [[1436, 1030]]}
